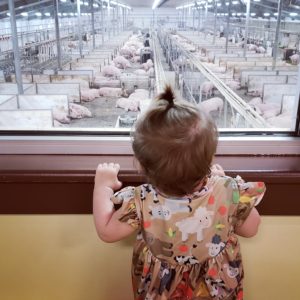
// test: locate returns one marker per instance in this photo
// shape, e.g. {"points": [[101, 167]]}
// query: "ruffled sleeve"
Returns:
{"points": [[245, 196], [125, 201]]}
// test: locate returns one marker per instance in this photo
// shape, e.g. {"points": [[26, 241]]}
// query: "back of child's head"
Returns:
{"points": [[174, 142]]}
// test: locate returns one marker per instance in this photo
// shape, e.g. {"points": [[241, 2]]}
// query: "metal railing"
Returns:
{"points": [[236, 102], [160, 76]]}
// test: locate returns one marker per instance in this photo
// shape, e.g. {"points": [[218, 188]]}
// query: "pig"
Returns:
{"points": [[60, 116], [281, 121], [57, 124], [264, 107], [151, 72], [252, 47], [136, 59], [121, 62], [128, 104], [72, 45], [271, 113], [150, 63], [140, 73], [261, 49], [255, 93], [207, 88], [235, 85], [145, 66], [295, 59], [111, 71], [112, 92], [127, 52], [140, 94], [87, 95], [212, 104], [255, 101], [138, 51], [79, 111]]}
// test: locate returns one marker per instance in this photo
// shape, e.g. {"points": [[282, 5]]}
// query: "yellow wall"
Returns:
{"points": [[60, 258]]}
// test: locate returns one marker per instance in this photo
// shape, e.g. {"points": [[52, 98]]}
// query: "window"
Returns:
{"points": [[94, 66]]}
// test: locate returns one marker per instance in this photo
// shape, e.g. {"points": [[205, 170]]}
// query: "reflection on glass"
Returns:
{"points": [[242, 68]]}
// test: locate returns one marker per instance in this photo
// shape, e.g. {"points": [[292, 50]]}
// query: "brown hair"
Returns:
{"points": [[174, 142]]}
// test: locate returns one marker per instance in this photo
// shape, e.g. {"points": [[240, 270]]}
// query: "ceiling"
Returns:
{"points": [[258, 7], [149, 3]]}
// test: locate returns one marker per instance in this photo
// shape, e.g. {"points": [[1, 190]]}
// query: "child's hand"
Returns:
{"points": [[217, 170], [107, 176]]}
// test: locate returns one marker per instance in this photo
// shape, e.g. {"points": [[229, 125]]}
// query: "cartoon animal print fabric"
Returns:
{"points": [[186, 247]]}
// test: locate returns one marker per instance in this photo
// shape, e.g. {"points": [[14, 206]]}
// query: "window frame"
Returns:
{"points": [[82, 153]]}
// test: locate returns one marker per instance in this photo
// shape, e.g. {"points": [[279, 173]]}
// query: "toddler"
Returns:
{"points": [[187, 216]]}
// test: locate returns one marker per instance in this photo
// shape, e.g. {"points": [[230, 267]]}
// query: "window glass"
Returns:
{"points": [[105, 62]]}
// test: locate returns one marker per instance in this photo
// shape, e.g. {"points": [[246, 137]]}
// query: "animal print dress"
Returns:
{"points": [[186, 247]]}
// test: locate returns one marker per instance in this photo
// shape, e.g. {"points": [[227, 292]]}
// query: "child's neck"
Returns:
{"points": [[202, 183]]}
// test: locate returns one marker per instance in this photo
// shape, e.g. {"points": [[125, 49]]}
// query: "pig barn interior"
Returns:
{"points": [[75, 76]]}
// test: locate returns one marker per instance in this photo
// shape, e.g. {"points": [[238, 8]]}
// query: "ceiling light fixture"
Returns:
{"points": [[155, 4]]}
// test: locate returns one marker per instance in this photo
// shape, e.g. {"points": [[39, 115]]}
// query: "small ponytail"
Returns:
{"points": [[167, 95]]}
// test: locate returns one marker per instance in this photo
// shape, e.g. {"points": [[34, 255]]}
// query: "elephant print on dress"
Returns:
{"points": [[157, 246]]}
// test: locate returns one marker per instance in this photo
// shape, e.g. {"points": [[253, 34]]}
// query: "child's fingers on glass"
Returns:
{"points": [[111, 165], [100, 166], [117, 167]]}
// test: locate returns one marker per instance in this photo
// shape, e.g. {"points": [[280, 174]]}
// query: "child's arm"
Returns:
{"points": [[250, 226], [106, 219]]}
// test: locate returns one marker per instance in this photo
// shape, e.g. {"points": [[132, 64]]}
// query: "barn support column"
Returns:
{"points": [[275, 46], [247, 27], [14, 35], [93, 24], [79, 27], [57, 34], [228, 25]]}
